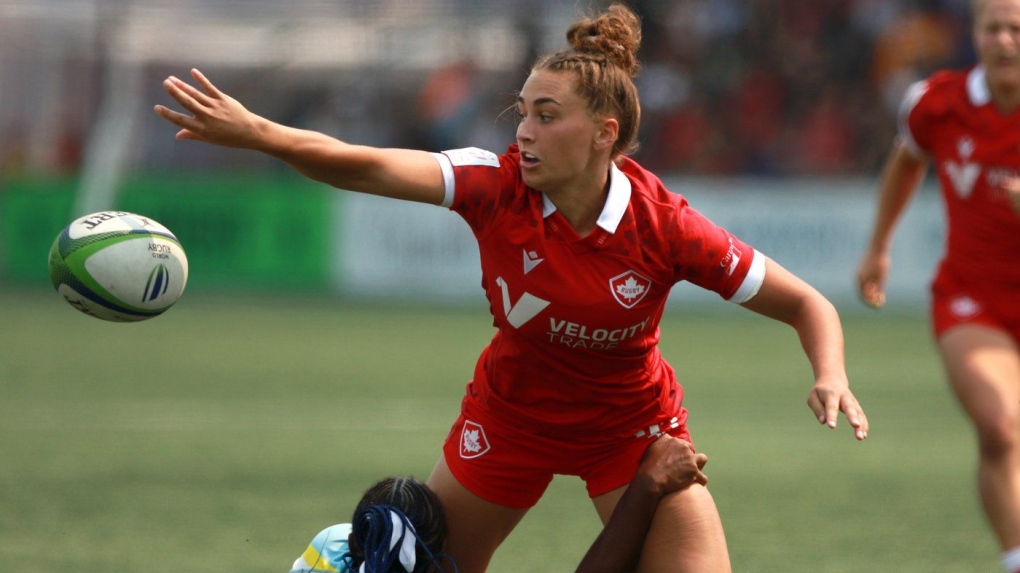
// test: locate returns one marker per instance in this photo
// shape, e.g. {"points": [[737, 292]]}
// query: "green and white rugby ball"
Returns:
{"points": [[118, 266]]}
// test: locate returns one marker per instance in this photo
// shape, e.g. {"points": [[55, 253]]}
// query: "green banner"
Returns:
{"points": [[241, 233]]}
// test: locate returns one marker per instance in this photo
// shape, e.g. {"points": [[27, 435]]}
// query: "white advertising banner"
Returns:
{"points": [[817, 229], [399, 249]]}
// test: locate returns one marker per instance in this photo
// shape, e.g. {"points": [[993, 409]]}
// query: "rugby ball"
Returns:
{"points": [[118, 266]]}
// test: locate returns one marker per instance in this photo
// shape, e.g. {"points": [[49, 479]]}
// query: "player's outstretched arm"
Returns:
{"points": [[215, 117], [786, 298], [901, 177], [669, 465]]}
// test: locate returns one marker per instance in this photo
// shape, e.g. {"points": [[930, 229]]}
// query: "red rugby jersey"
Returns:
{"points": [[577, 318], [951, 119]]}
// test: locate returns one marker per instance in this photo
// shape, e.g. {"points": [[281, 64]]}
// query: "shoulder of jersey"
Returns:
{"points": [[942, 92], [648, 185], [472, 156]]}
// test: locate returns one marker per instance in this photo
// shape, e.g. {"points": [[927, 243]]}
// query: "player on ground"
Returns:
{"points": [[399, 525], [967, 123], [579, 248]]}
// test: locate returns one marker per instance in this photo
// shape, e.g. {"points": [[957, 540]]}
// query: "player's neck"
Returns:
{"points": [[582, 205], [1006, 98]]}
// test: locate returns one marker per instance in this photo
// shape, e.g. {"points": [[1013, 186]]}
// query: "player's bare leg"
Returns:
{"points": [[984, 370], [686, 535], [477, 527]]}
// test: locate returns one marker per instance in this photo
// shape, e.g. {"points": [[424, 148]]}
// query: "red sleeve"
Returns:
{"points": [[480, 184], [709, 256], [923, 103]]}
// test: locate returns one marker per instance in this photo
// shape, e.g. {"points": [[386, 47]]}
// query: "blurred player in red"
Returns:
{"points": [[968, 124], [579, 248]]}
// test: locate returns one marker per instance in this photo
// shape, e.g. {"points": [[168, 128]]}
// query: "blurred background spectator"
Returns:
{"points": [[767, 88]]}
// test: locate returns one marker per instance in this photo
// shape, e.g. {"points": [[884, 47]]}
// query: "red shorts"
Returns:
{"points": [[512, 468], [954, 303]]}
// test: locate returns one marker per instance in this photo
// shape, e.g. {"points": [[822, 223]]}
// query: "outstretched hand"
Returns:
{"points": [[672, 464], [215, 117], [829, 397]]}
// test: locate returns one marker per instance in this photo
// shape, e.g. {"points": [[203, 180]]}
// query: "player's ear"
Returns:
{"points": [[607, 134]]}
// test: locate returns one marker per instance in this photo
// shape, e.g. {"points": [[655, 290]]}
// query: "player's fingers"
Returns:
{"points": [[1012, 187], [173, 87], [872, 293], [194, 93], [176, 118], [815, 403], [831, 411], [701, 460], [207, 85], [188, 134], [857, 418], [699, 476]]}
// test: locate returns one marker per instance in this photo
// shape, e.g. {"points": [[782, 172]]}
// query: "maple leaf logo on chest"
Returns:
{"points": [[629, 288]]}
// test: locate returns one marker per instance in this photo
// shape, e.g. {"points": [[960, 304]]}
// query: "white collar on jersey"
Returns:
{"points": [[616, 202], [977, 87]]}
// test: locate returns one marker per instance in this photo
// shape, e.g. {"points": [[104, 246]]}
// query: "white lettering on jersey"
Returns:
{"points": [[531, 260], [963, 177], [472, 156], [577, 335], [732, 258], [527, 307]]}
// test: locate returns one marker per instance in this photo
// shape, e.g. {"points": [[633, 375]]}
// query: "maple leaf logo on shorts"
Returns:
{"points": [[473, 442]]}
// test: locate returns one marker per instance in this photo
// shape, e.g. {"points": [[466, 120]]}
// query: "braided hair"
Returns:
{"points": [[399, 526], [603, 56]]}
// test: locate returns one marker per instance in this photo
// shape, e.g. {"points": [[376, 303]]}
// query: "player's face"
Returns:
{"points": [[556, 133], [997, 39]]}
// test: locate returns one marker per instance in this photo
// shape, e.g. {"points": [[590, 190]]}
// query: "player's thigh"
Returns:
{"points": [[476, 527], [983, 366], [686, 534]]}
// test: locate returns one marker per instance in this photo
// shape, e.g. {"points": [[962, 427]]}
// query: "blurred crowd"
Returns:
{"points": [[787, 87], [766, 88]]}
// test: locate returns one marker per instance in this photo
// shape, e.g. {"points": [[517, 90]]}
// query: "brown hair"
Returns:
{"points": [[603, 55]]}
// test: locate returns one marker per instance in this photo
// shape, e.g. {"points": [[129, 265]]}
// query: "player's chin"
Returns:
{"points": [[532, 178], [1005, 70]]}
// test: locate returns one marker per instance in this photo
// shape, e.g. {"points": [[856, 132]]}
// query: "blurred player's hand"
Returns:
{"points": [[871, 278], [1012, 187], [216, 117], [672, 465]]}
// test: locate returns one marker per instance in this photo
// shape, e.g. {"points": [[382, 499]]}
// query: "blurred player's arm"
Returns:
{"points": [[669, 465], [901, 176], [219, 119]]}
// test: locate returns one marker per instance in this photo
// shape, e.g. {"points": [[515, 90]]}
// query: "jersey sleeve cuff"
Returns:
{"points": [[448, 180], [908, 141], [752, 281]]}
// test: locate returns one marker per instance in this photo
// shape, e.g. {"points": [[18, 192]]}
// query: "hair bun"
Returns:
{"points": [[615, 34]]}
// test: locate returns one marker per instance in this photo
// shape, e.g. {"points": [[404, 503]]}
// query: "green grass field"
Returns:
{"points": [[223, 435]]}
